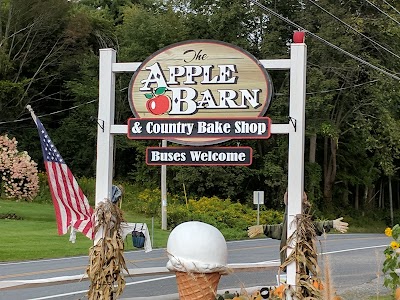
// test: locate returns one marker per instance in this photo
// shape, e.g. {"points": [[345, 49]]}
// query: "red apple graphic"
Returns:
{"points": [[158, 103]]}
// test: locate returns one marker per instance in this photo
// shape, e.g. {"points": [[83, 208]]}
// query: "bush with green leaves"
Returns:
{"points": [[223, 214], [88, 186], [146, 201], [392, 263], [229, 217], [19, 175]]}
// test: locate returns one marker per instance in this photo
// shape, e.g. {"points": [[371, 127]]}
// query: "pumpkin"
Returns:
{"points": [[318, 285], [279, 291], [256, 296], [397, 294], [240, 298]]}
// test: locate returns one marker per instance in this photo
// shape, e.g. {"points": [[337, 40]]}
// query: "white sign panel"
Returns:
{"points": [[258, 197]]}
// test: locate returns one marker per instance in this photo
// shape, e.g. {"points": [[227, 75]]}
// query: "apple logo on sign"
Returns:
{"points": [[158, 103]]}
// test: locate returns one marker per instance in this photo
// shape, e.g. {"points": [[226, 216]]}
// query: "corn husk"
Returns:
{"points": [[106, 259], [305, 256]]}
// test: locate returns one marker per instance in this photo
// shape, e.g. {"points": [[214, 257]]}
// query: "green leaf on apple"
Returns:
{"points": [[148, 95], [160, 90]]}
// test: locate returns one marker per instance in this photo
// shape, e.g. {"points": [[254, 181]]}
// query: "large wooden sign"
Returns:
{"points": [[200, 79]]}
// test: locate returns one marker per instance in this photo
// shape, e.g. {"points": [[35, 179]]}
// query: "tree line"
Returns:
{"points": [[49, 55]]}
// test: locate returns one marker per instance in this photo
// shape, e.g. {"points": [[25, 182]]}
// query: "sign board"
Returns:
{"points": [[258, 197], [200, 79], [237, 128], [199, 156]]}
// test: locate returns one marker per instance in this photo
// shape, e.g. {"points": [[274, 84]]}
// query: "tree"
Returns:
{"points": [[154, 29], [30, 46], [19, 179], [349, 101]]}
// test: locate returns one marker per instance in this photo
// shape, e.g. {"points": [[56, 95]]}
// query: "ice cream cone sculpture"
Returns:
{"points": [[192, 286], [197, 254]]}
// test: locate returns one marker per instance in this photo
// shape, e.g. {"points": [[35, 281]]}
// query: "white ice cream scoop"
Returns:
{"points": [[197, 247]]}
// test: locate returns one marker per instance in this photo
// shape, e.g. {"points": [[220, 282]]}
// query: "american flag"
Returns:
{"points": [[71, 205]]}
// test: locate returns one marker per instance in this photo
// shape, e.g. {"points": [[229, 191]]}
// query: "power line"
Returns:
{"points": [[355, 30], [324, 41], [343, 88], [333, 90], [276, 94], [58, 111], [391, 7], [49, 114], [394, 20]]}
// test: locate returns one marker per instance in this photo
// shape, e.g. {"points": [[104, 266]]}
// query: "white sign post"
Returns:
{"points": [[258, 198], [295, 128], [298, 54]]}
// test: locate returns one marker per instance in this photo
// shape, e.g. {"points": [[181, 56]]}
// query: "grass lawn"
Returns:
{"points": [[35, 236]]}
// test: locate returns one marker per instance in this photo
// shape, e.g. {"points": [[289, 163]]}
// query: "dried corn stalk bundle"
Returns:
{"points": [[304, 255], [106, 260]]}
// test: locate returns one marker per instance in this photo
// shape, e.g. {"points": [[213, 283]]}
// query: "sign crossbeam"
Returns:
{"points": [[269, 64]]}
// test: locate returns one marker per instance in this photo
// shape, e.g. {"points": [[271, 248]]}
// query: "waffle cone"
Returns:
{"points": [[193, 286]]}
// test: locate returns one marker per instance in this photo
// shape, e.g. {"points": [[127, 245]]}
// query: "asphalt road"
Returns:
{"points": [[354, 259]]}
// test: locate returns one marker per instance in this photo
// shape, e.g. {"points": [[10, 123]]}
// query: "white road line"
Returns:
{"points": [[85, 291], [63, 258], [353, 249], [39, 260], [337, 251]]}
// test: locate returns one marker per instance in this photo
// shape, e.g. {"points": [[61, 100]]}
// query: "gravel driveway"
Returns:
{"points": [[366, 290]]}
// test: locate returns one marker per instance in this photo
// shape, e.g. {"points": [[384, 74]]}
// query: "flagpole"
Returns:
{"points": [[28, 107]]}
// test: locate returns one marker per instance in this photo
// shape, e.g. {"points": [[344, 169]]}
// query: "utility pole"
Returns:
{"points": [[164, 192], [391, 201]]}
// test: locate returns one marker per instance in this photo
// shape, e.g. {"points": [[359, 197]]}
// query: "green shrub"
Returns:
{"points": [[177, 214], [43, 195], [147, 201], [220, 213], [88, 186], [269, 217]]}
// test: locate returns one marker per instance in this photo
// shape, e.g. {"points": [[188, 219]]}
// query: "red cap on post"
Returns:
{"points": [[299, 37]]}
